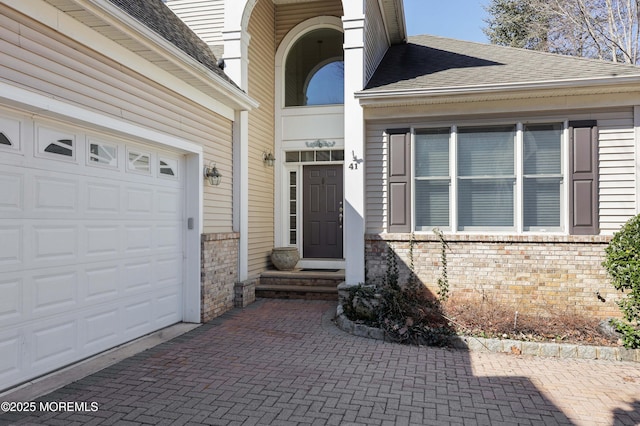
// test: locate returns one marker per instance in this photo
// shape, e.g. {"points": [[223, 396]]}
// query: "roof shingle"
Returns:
{"points": [[430, 62], [157, 16]]}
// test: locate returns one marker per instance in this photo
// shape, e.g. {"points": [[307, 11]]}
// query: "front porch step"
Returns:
{"points": [[300, 284]]}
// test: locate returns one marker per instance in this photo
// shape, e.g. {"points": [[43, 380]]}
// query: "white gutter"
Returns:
{"points": [[371, 96], [154, 41]]}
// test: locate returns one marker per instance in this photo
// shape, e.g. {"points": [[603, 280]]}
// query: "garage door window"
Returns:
{"points": [[168, 168], [139, 162], [103, 154], [9, 133], [4, 140], [62, 147]]}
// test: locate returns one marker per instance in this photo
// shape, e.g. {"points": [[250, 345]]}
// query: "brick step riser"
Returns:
{"points": [[298, 294], [301, 282]]}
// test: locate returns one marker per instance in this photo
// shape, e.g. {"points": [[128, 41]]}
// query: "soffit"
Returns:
{"points": [[393, 11], [148, 44]]}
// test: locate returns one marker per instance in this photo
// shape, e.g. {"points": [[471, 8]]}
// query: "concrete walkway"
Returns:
{"points": [[282, 362]]}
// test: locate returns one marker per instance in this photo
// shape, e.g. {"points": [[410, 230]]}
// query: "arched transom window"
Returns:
{"points": [[314, 69]]}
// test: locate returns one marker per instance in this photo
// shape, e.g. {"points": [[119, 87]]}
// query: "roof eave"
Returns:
{"points": [[376, 97], [231, 94], [394, 19]]}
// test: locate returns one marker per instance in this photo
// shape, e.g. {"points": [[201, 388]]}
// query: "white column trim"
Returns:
{"points": [[354, 143], [519, 184]]}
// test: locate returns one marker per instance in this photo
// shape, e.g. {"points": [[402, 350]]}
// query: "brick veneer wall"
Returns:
{"points": [[534, 274], [219, 273]]}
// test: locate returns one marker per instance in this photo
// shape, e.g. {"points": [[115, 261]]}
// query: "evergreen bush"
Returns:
{"points": [[622, 263]]}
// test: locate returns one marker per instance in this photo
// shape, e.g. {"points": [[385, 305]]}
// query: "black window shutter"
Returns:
{"points": [[399, 181], [583, 175]]}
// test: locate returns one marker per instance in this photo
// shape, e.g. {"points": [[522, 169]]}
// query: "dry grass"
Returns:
{"points": [[486, 318]]}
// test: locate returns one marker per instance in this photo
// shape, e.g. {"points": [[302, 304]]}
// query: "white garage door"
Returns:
{"points": [[91, 243]]}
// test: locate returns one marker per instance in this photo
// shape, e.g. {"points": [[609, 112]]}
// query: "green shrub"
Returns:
{"points": [[622, 263]]}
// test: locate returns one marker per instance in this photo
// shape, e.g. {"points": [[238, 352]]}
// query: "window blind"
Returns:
{"points": [[486, 169]]}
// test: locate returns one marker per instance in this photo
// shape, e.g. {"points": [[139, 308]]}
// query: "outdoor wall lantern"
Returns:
{"points": [[268, 159], [212, 174]]}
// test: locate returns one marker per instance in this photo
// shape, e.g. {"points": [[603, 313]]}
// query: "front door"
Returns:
{"points": [[322, 212]]}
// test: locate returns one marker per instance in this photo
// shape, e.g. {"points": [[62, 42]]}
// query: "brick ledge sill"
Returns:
{"points": [[495, 238]]}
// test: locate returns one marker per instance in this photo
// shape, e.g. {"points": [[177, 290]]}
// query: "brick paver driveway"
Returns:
{"points": [[283, 362]]}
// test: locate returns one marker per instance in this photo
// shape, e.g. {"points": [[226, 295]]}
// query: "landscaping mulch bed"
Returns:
{"points": [[490, 320]]}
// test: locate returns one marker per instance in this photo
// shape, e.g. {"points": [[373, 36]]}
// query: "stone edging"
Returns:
{"points": [[516, 347]]}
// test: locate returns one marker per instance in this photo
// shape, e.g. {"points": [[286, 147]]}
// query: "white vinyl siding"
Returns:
{"points": [[617, 180], [291, 14], [50, 63], [261, 129], [204, 17], [376, 178], [376, 43]]}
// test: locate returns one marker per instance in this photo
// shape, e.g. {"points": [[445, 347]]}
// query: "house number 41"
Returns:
{"points": [[354, 164]]}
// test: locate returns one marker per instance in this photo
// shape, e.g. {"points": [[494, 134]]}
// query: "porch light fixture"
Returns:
{"points": [[268, 159], [212, 174]]}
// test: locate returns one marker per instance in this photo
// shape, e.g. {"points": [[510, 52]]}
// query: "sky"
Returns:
{"points": [[461, 19]]}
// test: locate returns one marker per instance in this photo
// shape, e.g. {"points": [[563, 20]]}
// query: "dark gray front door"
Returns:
{"points": [[322, 224]]}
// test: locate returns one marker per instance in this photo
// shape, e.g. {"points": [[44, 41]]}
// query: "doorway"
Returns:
{"points": [[322, 211]]}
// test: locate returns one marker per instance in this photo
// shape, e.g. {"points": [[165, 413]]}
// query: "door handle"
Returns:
{"points": [[340, 214]]}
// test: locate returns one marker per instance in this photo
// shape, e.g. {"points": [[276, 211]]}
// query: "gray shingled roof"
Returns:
{"points": [[430, 62], [158, 17]]}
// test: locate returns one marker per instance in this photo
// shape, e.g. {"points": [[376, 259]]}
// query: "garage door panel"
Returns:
{"points": [[54, 342], [168, 237], [11, 356], [55, 293], [168, 271], [55, 195], [138, 317], [101, 328], [102, 283], [11, 238], [11, 192], [139, 202], [102, 199], [166, 311], [138, 239], [55, 243], [138, 276], [168, 204], [102, 241], [12, 300]]}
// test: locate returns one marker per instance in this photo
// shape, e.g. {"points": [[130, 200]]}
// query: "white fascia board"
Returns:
{"points": [[372, 97], [74, 29]]}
